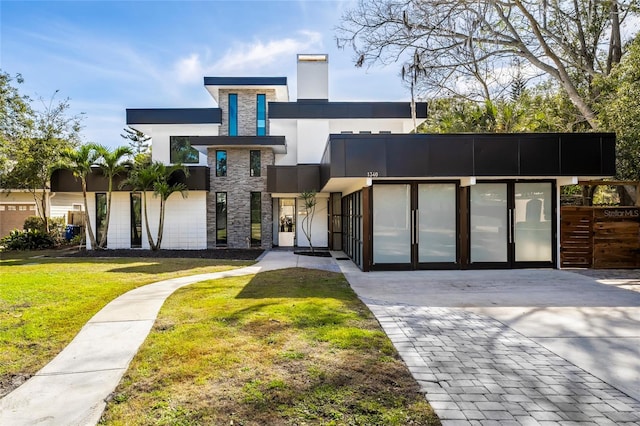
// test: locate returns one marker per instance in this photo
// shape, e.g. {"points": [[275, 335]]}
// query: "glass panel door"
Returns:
{"points": [[437, 220], [287, 233], [392, 224], [532, 222], [489, 225]]}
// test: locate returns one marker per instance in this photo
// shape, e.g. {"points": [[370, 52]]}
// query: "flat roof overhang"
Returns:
{"points": [[146, 116], [323, 109], [63, 180], [488, 156], [276, 143], [279, 84]]}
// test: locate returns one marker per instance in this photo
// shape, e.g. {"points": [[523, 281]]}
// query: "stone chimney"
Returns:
{"points": [[313, 76]]}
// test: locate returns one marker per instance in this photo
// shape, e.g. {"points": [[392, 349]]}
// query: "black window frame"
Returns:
{"points": [[254, 170], [221, 169], [222, 208], [255, 214]]}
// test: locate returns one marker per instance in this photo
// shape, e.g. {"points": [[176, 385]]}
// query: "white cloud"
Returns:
{"points": [[189, 69], [244, 58]]}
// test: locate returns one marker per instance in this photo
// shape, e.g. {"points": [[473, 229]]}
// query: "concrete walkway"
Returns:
{"points": [[487, 347], [72, 388]]}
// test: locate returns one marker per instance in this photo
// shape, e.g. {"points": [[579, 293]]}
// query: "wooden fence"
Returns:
{"points": [[600, 237]]}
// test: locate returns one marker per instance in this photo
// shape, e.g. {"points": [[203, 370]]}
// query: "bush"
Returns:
{"points": [[32, 239], [34, 222]]}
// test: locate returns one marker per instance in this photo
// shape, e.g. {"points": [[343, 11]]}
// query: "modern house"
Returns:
{"points": [[389, 198]]}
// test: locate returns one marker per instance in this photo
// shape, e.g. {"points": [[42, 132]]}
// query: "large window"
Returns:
{"points": [[221, 163], [261, 119], [254, 162], [233, 114], [136, 220], [256, 218], [221, 218], [101, 215], [392, 223], [182, 151]]}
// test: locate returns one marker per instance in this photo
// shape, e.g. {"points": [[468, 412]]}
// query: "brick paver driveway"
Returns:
{"points": [[514, 347]]}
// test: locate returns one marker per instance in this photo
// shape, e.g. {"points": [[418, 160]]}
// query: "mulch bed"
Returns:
{"points": [[228, 254]]}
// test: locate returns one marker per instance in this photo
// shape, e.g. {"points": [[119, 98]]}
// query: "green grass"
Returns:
{"points": [[44, 302], [292, 347]]}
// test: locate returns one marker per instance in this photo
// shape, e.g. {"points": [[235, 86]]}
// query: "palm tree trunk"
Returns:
{"points": [[161, 224], [87, 219], [152, 245], [103, 240]]}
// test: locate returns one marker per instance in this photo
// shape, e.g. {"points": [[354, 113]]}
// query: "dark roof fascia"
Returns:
{"points": [[174, 116], [237, 140], [307, 108], [245, 81], [63, 180], [450, 155]]}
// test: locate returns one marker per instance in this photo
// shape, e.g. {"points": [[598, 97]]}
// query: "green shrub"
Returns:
{"points": [[32, 239], [34, 222]]}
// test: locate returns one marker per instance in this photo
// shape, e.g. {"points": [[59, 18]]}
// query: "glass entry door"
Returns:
{"points": [[415, 225], [287, 222], [511, 224]]}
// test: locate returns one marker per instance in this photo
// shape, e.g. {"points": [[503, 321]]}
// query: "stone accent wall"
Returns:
{"points": [[247, 109], [238, 184]]}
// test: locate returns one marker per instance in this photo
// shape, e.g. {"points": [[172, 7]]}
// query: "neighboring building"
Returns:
{"points": [[388, 198], [17, 205]]}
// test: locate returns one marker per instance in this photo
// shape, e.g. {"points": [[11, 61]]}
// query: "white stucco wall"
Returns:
{"points": [[320, 225], [312, 139], [185, 222], [372, 125], [162, 133], [288, 129]]}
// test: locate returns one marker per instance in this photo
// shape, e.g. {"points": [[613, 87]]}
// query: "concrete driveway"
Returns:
{"points": [[515, 346]]}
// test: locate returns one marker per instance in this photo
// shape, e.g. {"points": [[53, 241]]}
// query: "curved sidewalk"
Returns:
{"points": [[73, 387]]}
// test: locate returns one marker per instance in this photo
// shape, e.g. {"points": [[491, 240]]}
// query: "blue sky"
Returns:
{"points": [[107, 56]]}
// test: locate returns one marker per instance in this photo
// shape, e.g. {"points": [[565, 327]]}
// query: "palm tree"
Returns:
{"points": [[79, 162], [159, 178], [111, 164]]}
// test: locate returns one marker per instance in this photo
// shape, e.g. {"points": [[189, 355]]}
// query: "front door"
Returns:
{"points": [[287, 222], [511, 224]]}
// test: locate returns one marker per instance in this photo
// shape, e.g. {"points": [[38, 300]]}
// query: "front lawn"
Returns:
{"points": [[291, 347], [44, 301]]}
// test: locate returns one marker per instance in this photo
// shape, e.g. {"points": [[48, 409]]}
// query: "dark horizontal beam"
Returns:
{"points": [[236, 140], [62, 180], [335, 110], [174, 116], [245, 81]]}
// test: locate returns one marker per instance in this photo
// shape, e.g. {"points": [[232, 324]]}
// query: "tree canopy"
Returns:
{"points": [[33, 140], [468, 48]]}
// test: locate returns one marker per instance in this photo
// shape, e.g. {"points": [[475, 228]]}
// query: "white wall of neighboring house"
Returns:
{"points": [[319, 225], [63, 202]]}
